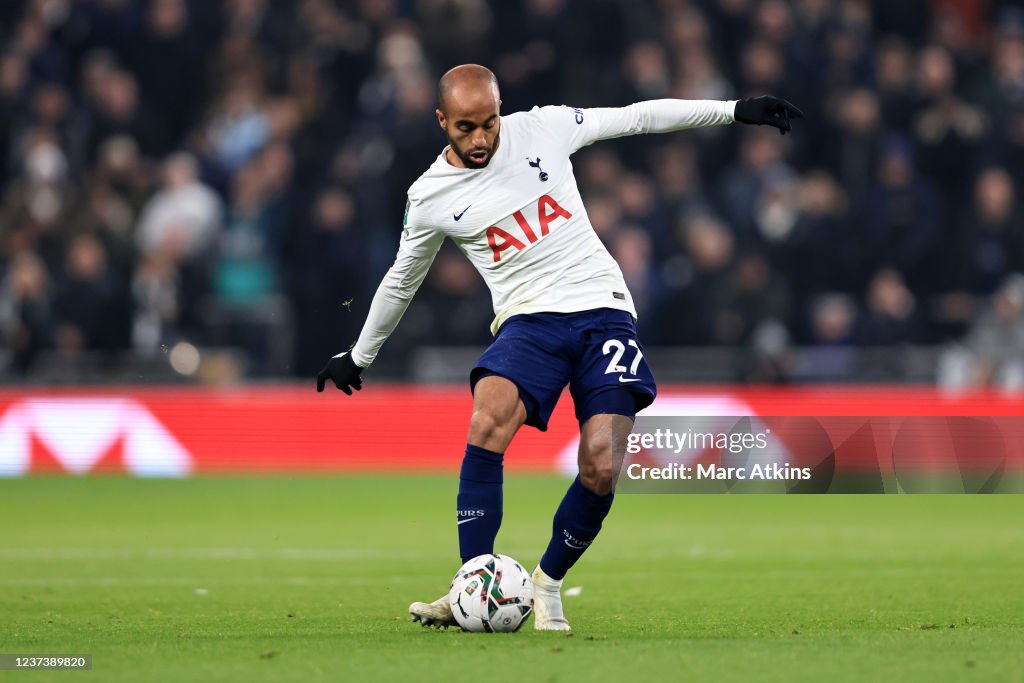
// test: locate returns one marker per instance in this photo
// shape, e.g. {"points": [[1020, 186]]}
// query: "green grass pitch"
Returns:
{"points": [[308, 579]]}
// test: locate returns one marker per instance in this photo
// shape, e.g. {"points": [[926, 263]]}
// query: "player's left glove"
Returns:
{"points": [[343, 371], [767, 111]]}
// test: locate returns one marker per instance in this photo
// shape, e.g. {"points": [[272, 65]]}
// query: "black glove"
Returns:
{"points": [[343, 371], [767, 110]]}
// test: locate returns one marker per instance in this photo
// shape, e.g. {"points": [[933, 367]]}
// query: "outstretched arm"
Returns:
{"points": [[584, 126], [657, 116], [416, 252]]}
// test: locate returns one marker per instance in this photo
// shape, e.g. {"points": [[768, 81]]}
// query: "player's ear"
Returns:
{"points": [[441, 119]]}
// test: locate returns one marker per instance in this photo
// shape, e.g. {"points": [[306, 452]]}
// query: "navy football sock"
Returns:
{"points": [[479, 502], [575, 527]]}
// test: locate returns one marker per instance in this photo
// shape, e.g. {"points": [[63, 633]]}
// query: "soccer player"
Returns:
{"points": [[503, 190]]}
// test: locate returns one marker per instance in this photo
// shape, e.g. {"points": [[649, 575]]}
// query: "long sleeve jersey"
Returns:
{"points": [[520, 220]]}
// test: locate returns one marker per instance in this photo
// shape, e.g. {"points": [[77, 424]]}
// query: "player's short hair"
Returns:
{"points": [[464, 73]]}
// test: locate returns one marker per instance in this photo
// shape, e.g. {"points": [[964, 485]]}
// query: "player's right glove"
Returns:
{"points": [[343, 371], [767, 111]]}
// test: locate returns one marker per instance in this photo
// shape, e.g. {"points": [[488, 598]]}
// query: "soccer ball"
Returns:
{"points": [[491, 593]]}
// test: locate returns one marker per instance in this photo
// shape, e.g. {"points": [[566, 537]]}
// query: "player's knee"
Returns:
{"points": [[598, 477], [491, 430], [597, 472]]}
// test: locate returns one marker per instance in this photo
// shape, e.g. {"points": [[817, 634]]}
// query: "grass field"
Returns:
{"points": [[308, 579]]}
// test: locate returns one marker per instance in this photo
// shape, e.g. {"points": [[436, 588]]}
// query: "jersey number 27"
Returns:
{"points": [[617, 350]]}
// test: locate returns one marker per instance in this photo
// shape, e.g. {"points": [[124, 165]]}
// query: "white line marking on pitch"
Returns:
{"points": [[171, 553], [203, 581]]}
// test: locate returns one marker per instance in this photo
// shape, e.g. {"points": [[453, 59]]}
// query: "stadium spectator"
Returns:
{"points": [[156, 295], [246, 263], [832, 326], [637, 197], [857, 129], [325, 275], [114, 108], [996, 339], [183, 218], [821, 251], [903, 216], [761, 169], [695, 282], [677, 180], [754, 295], [990, 237], [948, 131], [89, 306], [891, 316], [894, 75], [832, 320], [25, 312], [167, 56]]}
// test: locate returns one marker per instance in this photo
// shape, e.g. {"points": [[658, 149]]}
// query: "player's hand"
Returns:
{"points": [[768, 111], [343, 371]]}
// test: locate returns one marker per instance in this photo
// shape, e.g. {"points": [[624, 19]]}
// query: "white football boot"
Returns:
{"points": [[547, 603], [437, 613]]}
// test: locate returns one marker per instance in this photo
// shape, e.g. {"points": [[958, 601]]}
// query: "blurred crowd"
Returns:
{"points": [[163, 162]]}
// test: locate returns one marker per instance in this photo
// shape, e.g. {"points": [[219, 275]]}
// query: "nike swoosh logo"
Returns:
{"points": [[624, 380], [463, 521], [457, 216]]}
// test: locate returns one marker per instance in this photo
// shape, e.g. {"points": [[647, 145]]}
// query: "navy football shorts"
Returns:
{"points": [[595, 352]]}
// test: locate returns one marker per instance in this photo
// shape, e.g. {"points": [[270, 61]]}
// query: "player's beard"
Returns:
{"points": [[468, 160]]}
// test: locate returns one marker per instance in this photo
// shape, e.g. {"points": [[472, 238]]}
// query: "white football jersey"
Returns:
{"points": [[520, 220]]}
